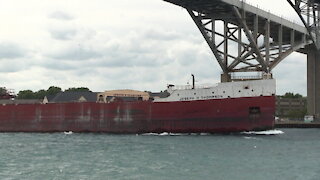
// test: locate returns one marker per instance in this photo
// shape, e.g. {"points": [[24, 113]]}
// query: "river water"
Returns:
{"points": [[295, 154]]}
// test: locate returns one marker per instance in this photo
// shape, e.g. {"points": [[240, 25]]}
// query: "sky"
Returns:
{"points": [[116, 44]]}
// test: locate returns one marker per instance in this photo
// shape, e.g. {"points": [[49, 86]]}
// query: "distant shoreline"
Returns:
{"points": [[297, 124]]}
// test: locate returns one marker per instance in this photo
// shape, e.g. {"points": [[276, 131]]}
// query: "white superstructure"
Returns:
{"points": [[238, 89]]}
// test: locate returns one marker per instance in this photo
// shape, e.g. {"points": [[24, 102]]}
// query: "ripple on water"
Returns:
{"points": [[290, 154]]}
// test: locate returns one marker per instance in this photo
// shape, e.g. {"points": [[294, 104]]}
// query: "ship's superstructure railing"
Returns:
{"points": [[239, 89], [188, 87]]}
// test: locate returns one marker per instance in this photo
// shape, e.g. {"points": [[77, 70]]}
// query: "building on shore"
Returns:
{"points": [[291, 108], [71, 96], [125, 95]]}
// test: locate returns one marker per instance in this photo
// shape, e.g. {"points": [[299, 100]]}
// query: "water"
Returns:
{"points": [[292, 155]]}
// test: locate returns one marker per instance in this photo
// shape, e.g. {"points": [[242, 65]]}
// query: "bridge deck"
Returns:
{"points": [[223, 9]]}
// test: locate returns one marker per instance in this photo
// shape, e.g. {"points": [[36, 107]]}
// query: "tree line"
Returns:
{"points": [[53, 90], [292, 95]]}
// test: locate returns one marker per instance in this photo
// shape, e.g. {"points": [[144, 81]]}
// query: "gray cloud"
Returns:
{"points": [[14, 65], [10, 50], [291, 74], [134, 46], [76, 53], [9, 67], [56, 65], [59, 15], [161, 35], [63, 34]]}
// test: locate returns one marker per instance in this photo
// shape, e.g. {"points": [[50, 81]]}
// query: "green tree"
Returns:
{"points": [[26, 94], [40, 94], [3, 91], [292, 95], [79, 89], [53, 90]]}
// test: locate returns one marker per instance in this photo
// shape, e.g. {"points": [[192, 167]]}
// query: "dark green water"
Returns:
{"points": [[292, 155]]}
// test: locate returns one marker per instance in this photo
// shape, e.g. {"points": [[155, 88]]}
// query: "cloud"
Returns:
{"points": [[113, 44], [59, 15], [11, 50], [63, 34], [10, 66], [291, 74], [76, 53], [156, 34]]}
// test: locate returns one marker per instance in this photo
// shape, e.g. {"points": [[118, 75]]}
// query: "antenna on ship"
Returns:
{"points": [[193, 81]]}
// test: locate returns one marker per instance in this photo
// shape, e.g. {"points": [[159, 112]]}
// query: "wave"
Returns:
{"points": [[175, 134], [269, 132], [68, 132]]}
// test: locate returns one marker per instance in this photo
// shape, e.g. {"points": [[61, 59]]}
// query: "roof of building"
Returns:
{"points": [[70, 96], [50, 97]]}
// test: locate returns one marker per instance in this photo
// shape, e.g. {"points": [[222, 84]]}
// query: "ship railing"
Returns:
{"points": [[187, 87], [239, 78]]}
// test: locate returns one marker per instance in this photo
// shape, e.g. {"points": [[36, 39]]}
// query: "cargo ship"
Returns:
{"points": [[222, 108]]}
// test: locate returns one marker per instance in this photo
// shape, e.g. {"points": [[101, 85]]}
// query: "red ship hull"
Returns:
{"points": [[205, 116]]}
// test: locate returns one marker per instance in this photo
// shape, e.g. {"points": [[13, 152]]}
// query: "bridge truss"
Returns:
{"points": [[251, 39], [244, 38], [309, 13]]}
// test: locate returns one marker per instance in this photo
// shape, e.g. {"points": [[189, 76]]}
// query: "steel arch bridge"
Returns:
{"points": [[244, 38]]}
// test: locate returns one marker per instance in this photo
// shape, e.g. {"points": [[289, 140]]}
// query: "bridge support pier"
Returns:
{"points": [[313, 82]]}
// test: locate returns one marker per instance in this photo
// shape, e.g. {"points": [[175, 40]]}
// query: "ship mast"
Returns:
{"points": [[193, 81]]}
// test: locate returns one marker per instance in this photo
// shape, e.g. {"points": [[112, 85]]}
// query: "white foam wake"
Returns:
{"points": [[269, 132], [68, 132], [175, 134]]}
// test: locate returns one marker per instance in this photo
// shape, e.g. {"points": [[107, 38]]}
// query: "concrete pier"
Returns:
{"points": [[313, 82]]}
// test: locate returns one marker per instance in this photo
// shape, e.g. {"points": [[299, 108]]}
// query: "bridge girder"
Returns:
{"points": [[241, 39], [256, 50], [309, 13]]}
